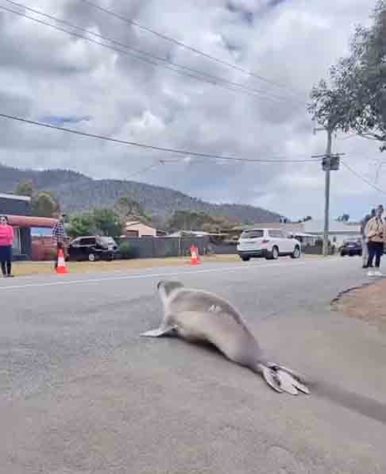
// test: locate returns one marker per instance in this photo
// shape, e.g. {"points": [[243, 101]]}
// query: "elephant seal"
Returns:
{"points": [[198, 315]]}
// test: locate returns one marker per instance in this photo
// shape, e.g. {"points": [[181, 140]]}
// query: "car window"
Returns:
{"points": [[276, 234], [106, 240], [87, 241], [252, 234]]}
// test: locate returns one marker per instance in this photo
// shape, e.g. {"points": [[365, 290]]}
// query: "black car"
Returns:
{"points": [[92, 248], [351, 247]]}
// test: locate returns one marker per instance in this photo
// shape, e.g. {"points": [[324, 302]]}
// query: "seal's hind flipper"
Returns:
{"points": [[291, 378], [161, 331], [282, 379], [271, 379]]}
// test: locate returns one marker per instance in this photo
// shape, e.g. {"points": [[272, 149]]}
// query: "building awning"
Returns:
{"points": [[29, 221]]}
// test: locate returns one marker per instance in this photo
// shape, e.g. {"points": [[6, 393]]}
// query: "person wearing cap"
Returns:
{"points": [[60, 237], [375, 232]]}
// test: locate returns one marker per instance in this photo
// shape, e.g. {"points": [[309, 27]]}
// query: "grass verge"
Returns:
{"points": [[46, 268]]}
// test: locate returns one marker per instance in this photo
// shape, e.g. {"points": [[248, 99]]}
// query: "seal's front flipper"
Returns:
{"points": [[161, 331]]}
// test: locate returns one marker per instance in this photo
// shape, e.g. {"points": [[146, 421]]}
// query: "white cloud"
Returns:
{"points": [[48, 73]]}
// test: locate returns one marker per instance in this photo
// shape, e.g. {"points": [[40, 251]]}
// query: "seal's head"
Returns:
{"points": [[167, 286]]}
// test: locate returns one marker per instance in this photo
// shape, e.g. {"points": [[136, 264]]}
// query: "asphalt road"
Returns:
{"points": [[81, 392]]}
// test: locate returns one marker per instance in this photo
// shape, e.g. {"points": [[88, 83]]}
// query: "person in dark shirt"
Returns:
{"points": [[60, 237]]}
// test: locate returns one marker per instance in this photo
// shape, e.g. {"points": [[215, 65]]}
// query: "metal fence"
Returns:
{"points": [[148, 247]]}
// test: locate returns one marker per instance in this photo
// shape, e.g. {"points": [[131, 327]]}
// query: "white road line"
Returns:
{"points": [[151, 275]]}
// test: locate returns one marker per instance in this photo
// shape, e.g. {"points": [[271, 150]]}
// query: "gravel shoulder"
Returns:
{"points": [[367, 303]]}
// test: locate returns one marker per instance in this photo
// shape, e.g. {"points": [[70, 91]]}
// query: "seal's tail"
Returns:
{"points": [[283, 379]]}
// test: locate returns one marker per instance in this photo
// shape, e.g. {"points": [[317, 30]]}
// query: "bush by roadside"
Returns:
{"points": [[127, 251]]}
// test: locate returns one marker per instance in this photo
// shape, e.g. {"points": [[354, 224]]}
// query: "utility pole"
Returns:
{"points": [[330, 163], [327, 192]]}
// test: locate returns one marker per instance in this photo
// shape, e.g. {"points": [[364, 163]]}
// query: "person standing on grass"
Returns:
{"points": [[60, 237], [365, 253], [375, 232], [6, 241]]}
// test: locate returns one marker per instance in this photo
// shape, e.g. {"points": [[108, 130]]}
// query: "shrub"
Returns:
{"points": [[127, 251]]}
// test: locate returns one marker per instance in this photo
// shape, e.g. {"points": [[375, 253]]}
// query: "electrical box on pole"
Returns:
{"points": [[331, 163]]}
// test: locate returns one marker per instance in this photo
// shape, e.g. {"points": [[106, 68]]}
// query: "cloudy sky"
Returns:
{"points": [[48, 75]]}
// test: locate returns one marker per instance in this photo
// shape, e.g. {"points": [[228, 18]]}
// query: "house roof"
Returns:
{"points": [[314, 226], [15, 196], [134, 223], [317, 226], [290, 227]]}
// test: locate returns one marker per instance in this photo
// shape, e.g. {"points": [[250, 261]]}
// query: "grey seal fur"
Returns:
{"points": [[198, 315]]}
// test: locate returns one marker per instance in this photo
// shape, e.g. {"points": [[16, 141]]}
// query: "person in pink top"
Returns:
{"points": [[6, 241]]}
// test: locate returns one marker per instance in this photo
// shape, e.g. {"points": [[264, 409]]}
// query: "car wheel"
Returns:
{"points": [[91, 257], [296, 253], [274, 254], [245, 259]]}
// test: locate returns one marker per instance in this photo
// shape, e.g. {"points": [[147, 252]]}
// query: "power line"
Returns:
{"points": [[212, 79], [91, 40], [156, 163], [183, 45], [365, 180], [143, 55], [144, 170], [154, 147]]}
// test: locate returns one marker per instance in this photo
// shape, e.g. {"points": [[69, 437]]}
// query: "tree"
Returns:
{"points": [[192, 220], [81, 225], [25, 189], [99, 221], [343, 218], [44, 205], [127, 208], [107, 222], [355, 96]]}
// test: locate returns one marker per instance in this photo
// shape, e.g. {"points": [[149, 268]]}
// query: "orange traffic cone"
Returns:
{"points": [[195, 258], [61, 268]]}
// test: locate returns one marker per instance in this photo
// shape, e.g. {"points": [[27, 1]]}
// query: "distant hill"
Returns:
{"points": [[77, 192]]}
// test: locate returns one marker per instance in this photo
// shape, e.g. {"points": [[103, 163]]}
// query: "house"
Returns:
{"points": [[139, 229], [18, 211], [286, 227], [338, 231]]}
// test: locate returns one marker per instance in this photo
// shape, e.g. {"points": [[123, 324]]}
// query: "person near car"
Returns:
{"points": [[375, 232], [6, 242], [60, 237], [365, 253]]}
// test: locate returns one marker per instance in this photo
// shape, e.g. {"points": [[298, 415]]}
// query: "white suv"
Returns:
{"points": [[268, 243]]}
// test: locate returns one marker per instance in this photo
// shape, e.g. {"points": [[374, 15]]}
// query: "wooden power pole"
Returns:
{"points": [[330, 163]]}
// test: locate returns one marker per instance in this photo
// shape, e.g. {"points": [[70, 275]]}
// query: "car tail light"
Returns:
{"points": [[265, 241]]}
